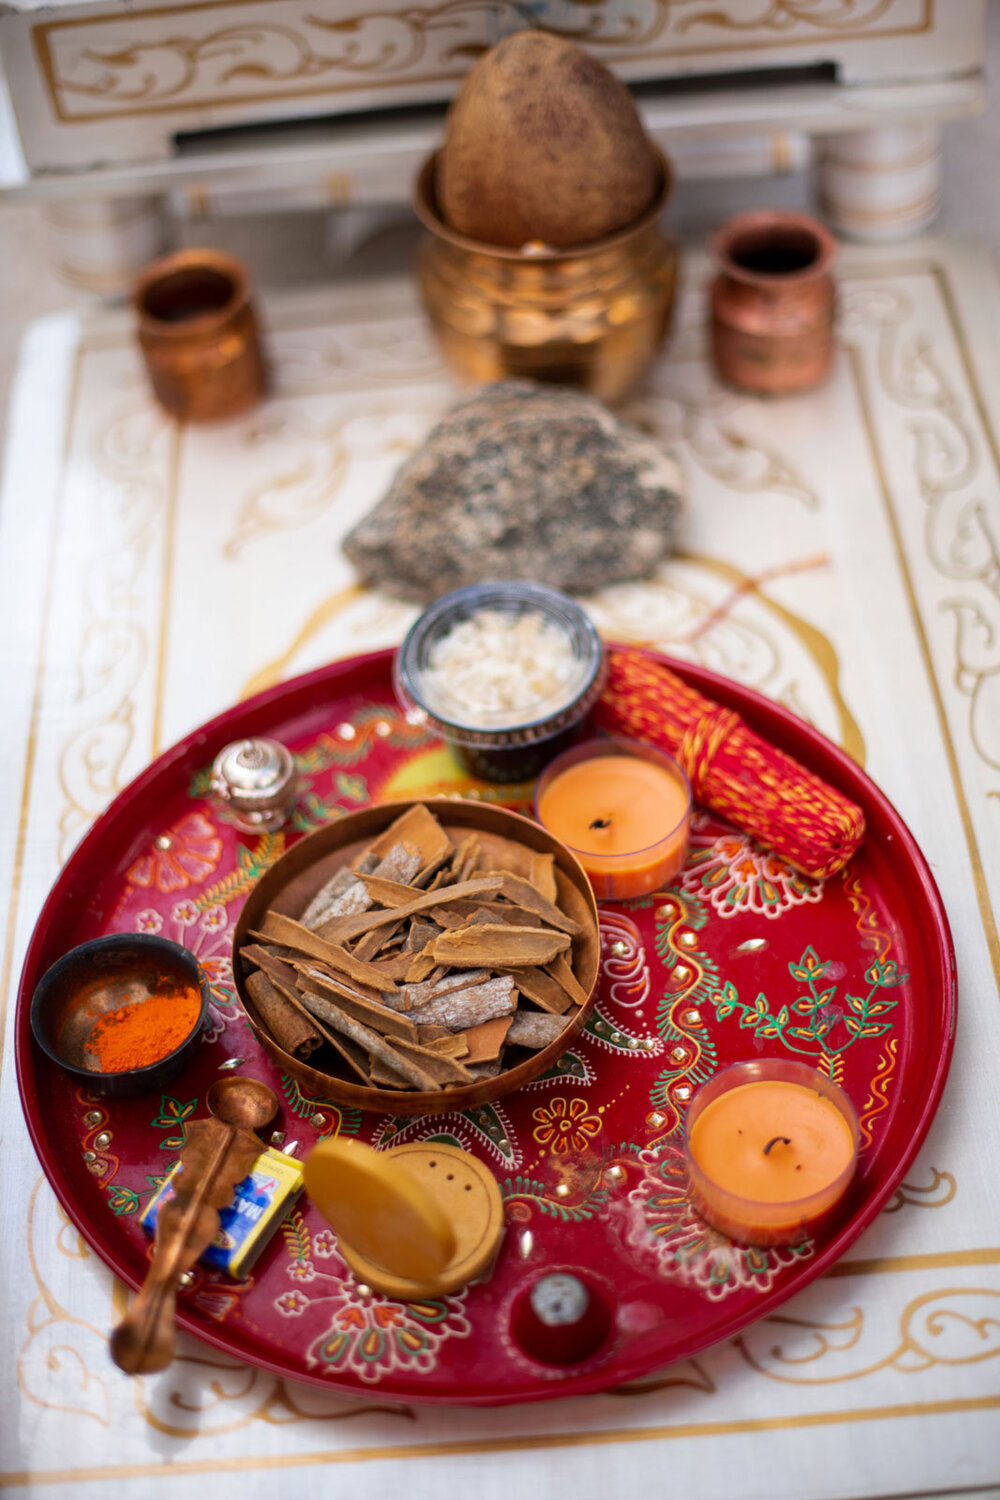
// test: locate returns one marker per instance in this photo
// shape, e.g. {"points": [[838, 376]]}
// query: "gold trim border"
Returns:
{"points": [[43, 52], [467, 1447]]}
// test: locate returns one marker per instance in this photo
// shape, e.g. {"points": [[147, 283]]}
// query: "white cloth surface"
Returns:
{"points": [[139, 569]]}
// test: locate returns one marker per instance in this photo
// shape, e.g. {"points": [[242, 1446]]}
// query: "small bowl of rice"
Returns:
{"points": [[505, 672]]}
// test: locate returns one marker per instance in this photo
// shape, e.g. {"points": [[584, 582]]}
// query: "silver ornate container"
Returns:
{"points": [[256, 782]]}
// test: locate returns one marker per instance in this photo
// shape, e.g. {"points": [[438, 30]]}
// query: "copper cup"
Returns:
{"points": [[773, 302], [198, 335], [589, 315]]}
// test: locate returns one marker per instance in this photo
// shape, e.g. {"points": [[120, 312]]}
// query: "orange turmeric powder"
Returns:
{"points": [[144, 1031]]}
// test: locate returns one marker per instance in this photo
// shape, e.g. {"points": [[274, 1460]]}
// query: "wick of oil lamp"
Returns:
{"points": [[784, 1139]]}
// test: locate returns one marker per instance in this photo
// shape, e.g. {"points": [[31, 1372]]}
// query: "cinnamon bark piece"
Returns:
{"points": [[292, 934], [541, 874], [497, 946], [452, 916], [395, 967], [276, 968], [458, 912], [318, 970], [535, 1030], [320, 997], [420, 967], [417, 826], [401, 863], [375, 941], [461, 1009], [486, 1040], [489, 1069], [419, 994], [445, 1070], [291, 1028], [343, 929], [563, 975], [377, 1046], [540, 988], [385, 1077], [342, 893], [385, 892], [450, 1045], [420, 934], [523, 893]]}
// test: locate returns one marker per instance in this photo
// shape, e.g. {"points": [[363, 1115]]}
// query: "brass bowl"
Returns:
{"points": [[290, 884], [591, 315]]}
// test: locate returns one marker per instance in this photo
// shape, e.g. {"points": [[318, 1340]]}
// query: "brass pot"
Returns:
{"points": [[591, 315], [198, 334], [773, 302]]}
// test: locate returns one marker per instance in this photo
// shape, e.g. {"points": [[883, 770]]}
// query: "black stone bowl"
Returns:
{"points": [[98, 977]]}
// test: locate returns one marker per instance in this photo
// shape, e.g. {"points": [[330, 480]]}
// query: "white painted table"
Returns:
{"points": [[137, 576]]}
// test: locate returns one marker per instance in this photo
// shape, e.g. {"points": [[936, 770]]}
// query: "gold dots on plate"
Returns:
{"points": [[688, 939], [103, 1141], [682, 973], [346, 732], [164, 841], [93, 1117], [691, 1017], [667, 911], [655, 1120], [619, 949]]}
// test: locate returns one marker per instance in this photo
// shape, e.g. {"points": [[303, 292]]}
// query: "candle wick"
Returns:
{"points": [[774, 1141], [601, 823]]}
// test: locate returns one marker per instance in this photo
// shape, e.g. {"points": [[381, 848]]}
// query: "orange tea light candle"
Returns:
{"points": [[772, 1148], [624, 810]]}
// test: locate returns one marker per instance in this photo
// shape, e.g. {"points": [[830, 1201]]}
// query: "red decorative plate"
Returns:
{"points": [[736, 960]]}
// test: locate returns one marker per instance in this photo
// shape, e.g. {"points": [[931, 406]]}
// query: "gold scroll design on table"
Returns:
{"points": [[153, 71], [934, 1194], [305, 462], [63, 1364], [961, 539], [734, 645], [703, 421], [371, 345], [950, 1326], [133, 458]]}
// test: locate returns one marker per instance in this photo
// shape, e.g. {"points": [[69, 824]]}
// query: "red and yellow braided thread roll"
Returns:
{"points": [[732, 770]]}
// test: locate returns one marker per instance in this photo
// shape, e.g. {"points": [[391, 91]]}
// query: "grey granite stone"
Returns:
{"points": [[522, 481]]}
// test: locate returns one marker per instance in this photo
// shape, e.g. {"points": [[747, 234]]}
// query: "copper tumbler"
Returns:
{"points": [[772, 302], [198, 335]]}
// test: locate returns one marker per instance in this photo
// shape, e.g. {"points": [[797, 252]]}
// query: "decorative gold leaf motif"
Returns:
{"points": [[935, 1194], [205, 64], [951, 1326]]}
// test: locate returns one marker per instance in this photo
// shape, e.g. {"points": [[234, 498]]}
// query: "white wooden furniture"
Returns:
{"points": [[266, 104]]}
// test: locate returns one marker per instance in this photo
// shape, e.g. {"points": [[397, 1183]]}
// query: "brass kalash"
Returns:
{"points": [[591, 315]]}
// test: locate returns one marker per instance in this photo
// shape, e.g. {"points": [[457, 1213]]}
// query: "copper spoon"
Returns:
{"points": [[218, 1153]]}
